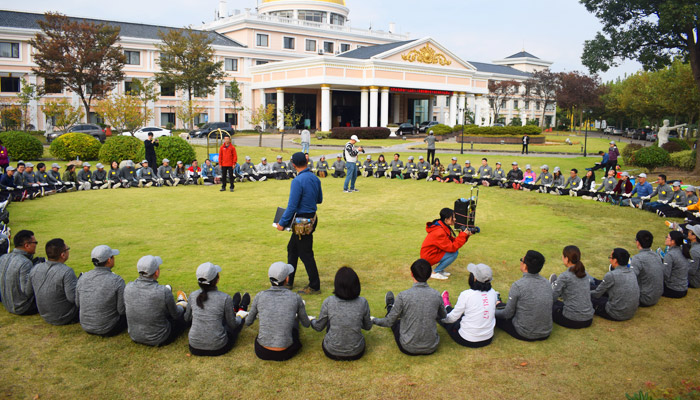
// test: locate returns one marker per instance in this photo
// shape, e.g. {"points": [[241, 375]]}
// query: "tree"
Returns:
{"points": [[543, 85], [63, 113], [233, 92], [652, 32], [499, 92], [291, 118], [122, 111], [578, 92], [187, 63], [28, 93], [187, 111], [262, 117], [147, 91], [83, 56]]}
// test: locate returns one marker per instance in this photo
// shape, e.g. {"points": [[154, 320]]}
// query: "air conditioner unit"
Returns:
{"points": [[320, 51]]}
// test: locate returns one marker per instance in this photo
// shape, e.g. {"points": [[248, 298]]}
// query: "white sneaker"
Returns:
{"points": [[438, 275], [445, 273], [263, 178]]}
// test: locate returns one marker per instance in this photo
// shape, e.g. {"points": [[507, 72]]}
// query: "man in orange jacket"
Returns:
{"points": [[227, 160], [441, 246]]}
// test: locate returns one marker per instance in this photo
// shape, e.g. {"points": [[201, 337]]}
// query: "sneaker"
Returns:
{"points": [[438, 275], [230, 190], [346, 191], [236, 301], [446, 298], [245, 301], [430, 178], [389, 299], [181, 296], [149, 184], [445, 273], [309, 290], [669, 224], [222, 190], [264, 178], [552, 278]]}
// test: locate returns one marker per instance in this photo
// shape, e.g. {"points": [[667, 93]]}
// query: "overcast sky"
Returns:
{"points": [[475, 30]]}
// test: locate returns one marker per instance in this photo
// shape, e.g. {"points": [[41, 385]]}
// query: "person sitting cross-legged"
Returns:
{"points": [[322, 167], [166, 174], [575, 310], [642, 189], [648, 266], [395, 166], [15, 267], [423, 168], [676, 263], [368, 167], [616, 297], [53, 285], [664, 192], [280, 169], [442, 245], [454, 171], [411, 169], [339, 167], [145, 175]]}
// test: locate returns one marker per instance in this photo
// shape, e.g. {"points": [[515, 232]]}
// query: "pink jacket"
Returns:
{"points": [[530, 174]]}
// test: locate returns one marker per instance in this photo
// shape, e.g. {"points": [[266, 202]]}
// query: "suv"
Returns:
{"points": [[425, 126], [90, 129], [204, 131]]}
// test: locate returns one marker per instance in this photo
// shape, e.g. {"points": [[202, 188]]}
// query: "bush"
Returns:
{"points": [[362, 133], [120, 148], [440, 130], [502, 130], [651, 157], [322, 134], [458, 128], [75, 145], [673, 147], [22, 146], [173, 148], [684, 145], [683, 160], [628, 153]]}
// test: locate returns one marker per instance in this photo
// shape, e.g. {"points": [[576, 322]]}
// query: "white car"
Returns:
{"points": [[142, 134]]}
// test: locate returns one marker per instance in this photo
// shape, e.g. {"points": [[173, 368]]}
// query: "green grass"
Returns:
{"points": [[378, 232], [555, 144], [364, 142]]}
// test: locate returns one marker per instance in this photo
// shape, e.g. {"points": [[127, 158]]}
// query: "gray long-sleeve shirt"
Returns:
{"points": [[99, 294], [430, 141], [558, 180], [322, 166], [622, 289], [609, 184], [679, 197], [485, 172], [345, 320], [14, 281], [574, 183], [530, 305], [468, 172], [419, 308], [694, 266], [396, 165], [264, 168], [279, 309], [99, 176], [248, 168], [649, 268], [575, 292], [209, 324], [149, 308], [546, 178], [53, 285], [84, 176], [499, 173], [664, 191], [165, 172], [339, 165], [279, 167], [127, 173], [423, 166], [676, 270]]}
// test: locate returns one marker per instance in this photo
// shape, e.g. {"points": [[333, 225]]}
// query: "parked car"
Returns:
{"points": [[204, 131], [425, 126], [641, 134], [651, 136], [90, 129], [498, 124], [609, 130], [142, 134], [628, 133], [406, 128], [617, 131]]}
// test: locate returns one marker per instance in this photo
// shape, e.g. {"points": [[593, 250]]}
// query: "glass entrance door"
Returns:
{"points": [[418, 111]]}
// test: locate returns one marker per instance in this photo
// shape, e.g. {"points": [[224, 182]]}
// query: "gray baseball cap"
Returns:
{"points": [[612, 142], [676, 184], [10, 168], [695, 229], [103, 253], [482, 272], [279, 271], [410, 157], [339, 155], [527, 166], [278, 157], [420, 157], [690, 188], [179, 162], [144, 162], [86, 164], [625, 174], [514, 163], [148, 265], [246, 157], [99, 165], [545, 167], [263, 159], [498, 163], [166, 160], [369, 156], [55, 165], [557, 169], [29, 165], [207, 272]]}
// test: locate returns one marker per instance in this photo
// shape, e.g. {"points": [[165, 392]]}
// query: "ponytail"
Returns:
{"points": [[573, 254], [206, 287], [679, 241], [685, 248]]}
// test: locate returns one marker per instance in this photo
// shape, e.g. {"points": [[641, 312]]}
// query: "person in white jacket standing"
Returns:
{"points": [[305, 140]]}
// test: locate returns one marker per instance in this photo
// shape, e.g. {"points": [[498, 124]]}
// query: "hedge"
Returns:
{"points": [[22, 146], [683, 160], [628, 153], [173, 148], [120, 148], [75, 145], [362, 133], [440, 130], [674, 147], [502, 130], [651, 157]]}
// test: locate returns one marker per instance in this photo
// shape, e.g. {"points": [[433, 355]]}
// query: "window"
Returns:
{"points": [[288, 43], [132, 57], [164, 56], [127, 87], [9, 50], [261, 62], [315, 16], [200, 92], [167, 118], [337, 19], [201, 119], [328, 47], [435, 101], [231, 118], [310, 45], [283, 14], [231, 64], [167, 90], [262, 40], [344, 47], [447, 101], [52, 86], [515, 104], [503, 104], [527, 104], [9, 84], [537, 106]]}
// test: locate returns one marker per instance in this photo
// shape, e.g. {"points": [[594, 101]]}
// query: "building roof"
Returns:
{"points": [[498, 69], [365, 53], [523, 54], [25, 20]]}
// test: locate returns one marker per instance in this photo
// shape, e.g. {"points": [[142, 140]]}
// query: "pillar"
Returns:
{"points": [[453, 110], [385, 107], [397, 108], [325, 108], [280, 109], [364, 107], [373, 103], [462, 107], [431, 108]]}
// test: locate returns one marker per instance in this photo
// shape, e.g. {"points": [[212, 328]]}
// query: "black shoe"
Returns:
{"points": [[236, 301], [230, 190], [222, 189], [245, 302], [309, 290], [389, 299]]}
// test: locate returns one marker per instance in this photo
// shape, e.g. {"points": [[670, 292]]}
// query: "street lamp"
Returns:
{"points": [[464, 121], [587, 113]]}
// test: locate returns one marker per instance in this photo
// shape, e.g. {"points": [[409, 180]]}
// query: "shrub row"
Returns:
{"points": [[22, 145], [75, 145], [502, 130], [120, 148], [362, 133], [440, 130], [173, 148], [683, 159]]}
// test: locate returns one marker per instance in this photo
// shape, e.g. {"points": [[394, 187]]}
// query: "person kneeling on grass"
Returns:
{"points": [[528, 313], [676, 263], [472, 320], [616, 297], [441, 246], [53, 285], [649, 268], [153, 317], [574, 287], [216, 318], [412, 316], [345, 314], [280, 311]]}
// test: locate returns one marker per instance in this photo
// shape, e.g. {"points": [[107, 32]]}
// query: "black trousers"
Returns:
{"points": [[610, 166], [560, 319], [431, 156], [284, 355], [673, 294], [342, 358], [507, 326], [338, 174], [226, 172], [525, 149], [177, 328], [599, 307], [302, 247], [232, 335], [453, 330]]}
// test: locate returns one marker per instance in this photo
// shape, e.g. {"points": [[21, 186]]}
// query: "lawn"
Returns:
{"points": [[364, 142], [554, 144], [378, 232]]}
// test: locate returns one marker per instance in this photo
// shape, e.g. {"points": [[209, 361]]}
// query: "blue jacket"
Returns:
{"points": [[7, 181], [304, 195], [606, 157], [642, 190]]}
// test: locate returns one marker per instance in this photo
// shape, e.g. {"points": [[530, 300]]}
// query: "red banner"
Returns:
{"points": [[422, 91]]}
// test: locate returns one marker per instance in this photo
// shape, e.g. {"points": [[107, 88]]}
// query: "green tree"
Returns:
{"points": [[233, 92], [146, 90], [578, 92], [122, 111], [63, 113], [187, 111], [187, 63], [262, 117], [28, 93]]}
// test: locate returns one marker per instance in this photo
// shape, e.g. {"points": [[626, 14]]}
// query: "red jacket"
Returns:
{"points": [[227, 156], [440, 241]]}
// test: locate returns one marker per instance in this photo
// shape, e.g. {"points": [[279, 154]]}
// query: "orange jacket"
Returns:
{"points": [[227, 156], [440, 241]]}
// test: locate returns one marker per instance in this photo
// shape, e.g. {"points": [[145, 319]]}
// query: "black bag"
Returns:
{"points": [[465, 211]]}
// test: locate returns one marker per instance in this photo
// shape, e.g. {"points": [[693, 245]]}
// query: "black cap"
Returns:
{"points": [[299, 159]]}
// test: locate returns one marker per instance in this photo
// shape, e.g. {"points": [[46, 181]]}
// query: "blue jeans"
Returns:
{"points": [[351, 177], [447, 259], [304, 147]]}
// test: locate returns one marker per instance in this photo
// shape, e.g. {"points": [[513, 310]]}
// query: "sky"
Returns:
{"points": [[475, 30]]}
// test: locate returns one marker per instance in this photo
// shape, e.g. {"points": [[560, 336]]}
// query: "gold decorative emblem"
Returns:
{"points": [[426, 55]]}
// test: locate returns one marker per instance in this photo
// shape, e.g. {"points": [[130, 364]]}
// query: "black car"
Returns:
{"points": [[425, 126], [641, 134], [406, 128], [204, 131], [90, 129]]}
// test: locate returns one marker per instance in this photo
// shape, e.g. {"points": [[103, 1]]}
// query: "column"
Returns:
{"points": [[364, 107], [280, 109], [373, 103], [397, 108], [431, 108], [33, 106], [385, 107], [463, 107], [325, 108], [453, 110]]}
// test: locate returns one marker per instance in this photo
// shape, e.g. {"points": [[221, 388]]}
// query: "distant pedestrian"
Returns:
{"points": [[430, 141], [526, 144], [150, 145], [305, 140]]}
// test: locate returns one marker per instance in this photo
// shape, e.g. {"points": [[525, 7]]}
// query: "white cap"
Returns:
{"points": [[207, 272], [179, 162], [369, 156], [55, 165], [247, 157], [642, 175], [148, 265], [29, 165], [144, 162], [612, 142], [264, 159], [454, 158], [527, 166], [482, 272], [278, 157], [410, 157], [557, 169], [695, 229], [514, 163], [467, 162], [355, 138], [103, 253], [420, 157]]}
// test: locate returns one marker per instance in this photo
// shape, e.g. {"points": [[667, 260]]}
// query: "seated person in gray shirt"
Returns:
{"points": [[153, 317], [99, 295], [649, 268], [414, 314], [280, 169], [280, 311], [616, 297], [411, 169], [368, 166], [322, 167], [345, 314], [53, 285], [15, 287], [676, 263], [145, 175], [339, 167], [574, 287], [248, 170], [528, 313], [423, 168], [216, 317], [694, 262], [395, 166], [85, 177], [99, 177]]}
